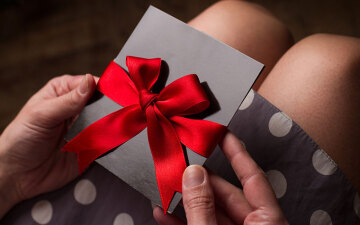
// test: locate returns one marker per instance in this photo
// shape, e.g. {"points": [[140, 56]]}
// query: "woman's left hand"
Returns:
{"points": [[31, 162]]}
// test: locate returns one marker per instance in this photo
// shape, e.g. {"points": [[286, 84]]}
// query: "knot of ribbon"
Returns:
{"points": [[161, 113], [146, 98]]}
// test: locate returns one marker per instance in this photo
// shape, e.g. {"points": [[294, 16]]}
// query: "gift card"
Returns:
{"points": [[225, 74]]}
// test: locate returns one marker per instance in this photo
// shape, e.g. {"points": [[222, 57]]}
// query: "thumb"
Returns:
{"points": [[73, 102], [198, 198]]}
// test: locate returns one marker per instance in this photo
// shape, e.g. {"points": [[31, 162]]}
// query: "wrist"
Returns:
{"points": [[8, 189], [8, 195]]}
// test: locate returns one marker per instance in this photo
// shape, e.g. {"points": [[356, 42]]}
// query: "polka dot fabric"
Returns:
{"points": [[307, 182], [97, 197], [310, 188]]}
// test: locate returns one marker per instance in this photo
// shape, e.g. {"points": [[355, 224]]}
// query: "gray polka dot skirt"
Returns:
{"points": [[307, 182]]}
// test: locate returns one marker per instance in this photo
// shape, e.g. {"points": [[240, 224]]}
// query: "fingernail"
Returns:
{"points": [[193, 176], [84, 85]]}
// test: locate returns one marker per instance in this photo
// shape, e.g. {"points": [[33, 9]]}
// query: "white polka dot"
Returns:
{"points": [[357, 204], [42, 212], [277, 181], [320, 217], [247, 101], [85, 192], [123, 219], [280, 124], [323, 163]]}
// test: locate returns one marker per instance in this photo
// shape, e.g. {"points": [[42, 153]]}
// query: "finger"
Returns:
{"points": [[256, 188], [58, 86], [198, 198], [163, 219], [72, 84], [66, 83], [64, 107], [167, 219], [230, 198]]}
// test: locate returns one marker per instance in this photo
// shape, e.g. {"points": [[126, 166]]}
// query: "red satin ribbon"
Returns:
{"points": [[160, 113]]}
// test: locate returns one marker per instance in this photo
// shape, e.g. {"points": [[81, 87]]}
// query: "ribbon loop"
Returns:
{"points": [[184, 96], [117, 85], [143, 72], [161, 113]]}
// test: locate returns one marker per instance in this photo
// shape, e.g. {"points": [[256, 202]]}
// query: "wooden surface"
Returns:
{"points": [[41, 39]]}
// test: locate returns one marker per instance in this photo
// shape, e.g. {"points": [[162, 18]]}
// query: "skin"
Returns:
{"points": [[317, 83], [30, 153], [212, 200], [31, 162], [249, 28], [312, 67]]}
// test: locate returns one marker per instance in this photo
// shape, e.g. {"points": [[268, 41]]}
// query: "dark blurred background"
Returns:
{"points": [[41, 39]]}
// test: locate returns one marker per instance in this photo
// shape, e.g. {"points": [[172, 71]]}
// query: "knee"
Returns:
{"points": [[237, 16], [258, 16], [236, 9], [334, 55]]}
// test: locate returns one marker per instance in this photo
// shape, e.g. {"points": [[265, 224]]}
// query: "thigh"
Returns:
{"points": [[317, 83], [248, 28]]}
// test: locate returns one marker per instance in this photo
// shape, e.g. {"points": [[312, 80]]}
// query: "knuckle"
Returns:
{"points": [[265, 214], [58, 84], [73, 99], [200, 202], [70, 100], [258, 173], [234, 198], [64, 76], [58, 79]]}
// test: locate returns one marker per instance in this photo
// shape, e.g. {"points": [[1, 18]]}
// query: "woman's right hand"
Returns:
{"points": [[209, 199]]}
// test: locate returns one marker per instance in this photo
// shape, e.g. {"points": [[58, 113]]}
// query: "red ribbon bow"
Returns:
{"points": [[160, 113]]}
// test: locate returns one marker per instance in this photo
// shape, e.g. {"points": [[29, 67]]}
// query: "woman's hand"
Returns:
{"points": [[31, 162], [208, 199]]}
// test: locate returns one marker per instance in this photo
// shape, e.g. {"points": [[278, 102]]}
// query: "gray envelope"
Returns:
{"points": [[225, 73]]}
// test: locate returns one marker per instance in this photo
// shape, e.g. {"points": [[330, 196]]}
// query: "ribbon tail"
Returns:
{"points": [[167, 154], [106, 134], [201, 136]]}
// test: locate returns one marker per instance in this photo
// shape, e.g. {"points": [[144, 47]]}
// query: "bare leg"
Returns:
{"points": [[317, 83], [247, 27]]}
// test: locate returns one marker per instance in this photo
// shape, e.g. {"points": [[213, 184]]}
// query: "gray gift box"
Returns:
{"points": [[226, 74]]}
